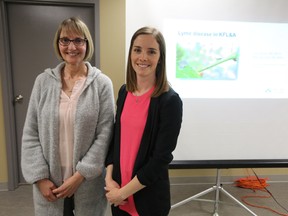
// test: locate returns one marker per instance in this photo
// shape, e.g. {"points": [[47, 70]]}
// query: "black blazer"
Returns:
{"points": [[155, 152]]}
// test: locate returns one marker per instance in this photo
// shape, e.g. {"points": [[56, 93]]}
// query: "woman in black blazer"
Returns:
{"points": [[147, 125]]}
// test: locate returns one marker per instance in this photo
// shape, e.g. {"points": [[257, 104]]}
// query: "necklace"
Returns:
{"points": [[137, 99], [141, 96], [68, 82]]}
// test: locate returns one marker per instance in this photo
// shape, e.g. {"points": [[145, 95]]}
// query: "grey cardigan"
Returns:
{"points": [[94, 119]]}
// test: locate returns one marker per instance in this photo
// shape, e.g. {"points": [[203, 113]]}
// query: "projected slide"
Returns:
{"points": [[221, 59], [213, 59]]}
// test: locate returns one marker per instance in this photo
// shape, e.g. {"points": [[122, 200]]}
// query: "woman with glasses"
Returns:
{"points": [[147, 124], [67, 129]]}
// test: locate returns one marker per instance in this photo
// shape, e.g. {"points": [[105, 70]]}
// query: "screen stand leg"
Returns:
{"points": [[217, 188]]}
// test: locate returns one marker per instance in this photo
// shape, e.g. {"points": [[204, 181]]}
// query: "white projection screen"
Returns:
{"points": [[228, 60]]}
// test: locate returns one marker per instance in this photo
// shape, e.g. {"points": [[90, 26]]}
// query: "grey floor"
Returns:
{"points": [[19, 202]]}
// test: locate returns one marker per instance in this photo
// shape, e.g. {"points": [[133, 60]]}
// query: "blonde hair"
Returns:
{"points": [[74, 25], [162, 84]]}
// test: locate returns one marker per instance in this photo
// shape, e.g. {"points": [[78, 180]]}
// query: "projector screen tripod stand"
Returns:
{"points": [[217, 188]]}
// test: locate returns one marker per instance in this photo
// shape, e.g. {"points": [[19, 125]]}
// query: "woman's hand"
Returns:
{"points": [[110, 183], [69, 187], [114, 196], [46, 188], [111, 188]]}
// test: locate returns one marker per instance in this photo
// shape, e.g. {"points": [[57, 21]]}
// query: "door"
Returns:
{"points": [[31, 29]]}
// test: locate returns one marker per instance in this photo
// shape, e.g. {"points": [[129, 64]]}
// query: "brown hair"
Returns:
{"points": [[75, 25], [162, 84]]}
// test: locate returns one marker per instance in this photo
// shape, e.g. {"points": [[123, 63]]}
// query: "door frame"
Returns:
{"points": [[7, 81]]}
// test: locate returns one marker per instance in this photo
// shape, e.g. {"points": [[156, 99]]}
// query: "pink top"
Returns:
{"points": [[66, 131], [133, 121]]}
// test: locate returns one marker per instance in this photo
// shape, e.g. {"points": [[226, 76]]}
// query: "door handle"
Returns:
{"points": [[18, 99]]}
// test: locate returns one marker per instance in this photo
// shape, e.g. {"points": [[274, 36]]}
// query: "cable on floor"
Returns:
{"points": [[255, 183]]}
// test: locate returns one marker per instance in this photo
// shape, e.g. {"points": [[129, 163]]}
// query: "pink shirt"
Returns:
{"points": [[67, 110], [133, 121]]}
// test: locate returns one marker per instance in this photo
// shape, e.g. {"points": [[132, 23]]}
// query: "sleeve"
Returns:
{"points": [[110, 156], [33, 164], [169, 124], [93, 162]]}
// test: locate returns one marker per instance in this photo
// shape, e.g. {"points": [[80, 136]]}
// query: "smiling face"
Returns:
{"points": [[72, 54], [145, 55]]}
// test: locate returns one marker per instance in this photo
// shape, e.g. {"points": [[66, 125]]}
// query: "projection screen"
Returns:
{"points": [[227, 59]]}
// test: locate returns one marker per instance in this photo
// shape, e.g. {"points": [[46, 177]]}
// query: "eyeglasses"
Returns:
{"points": [[77, 41]]}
